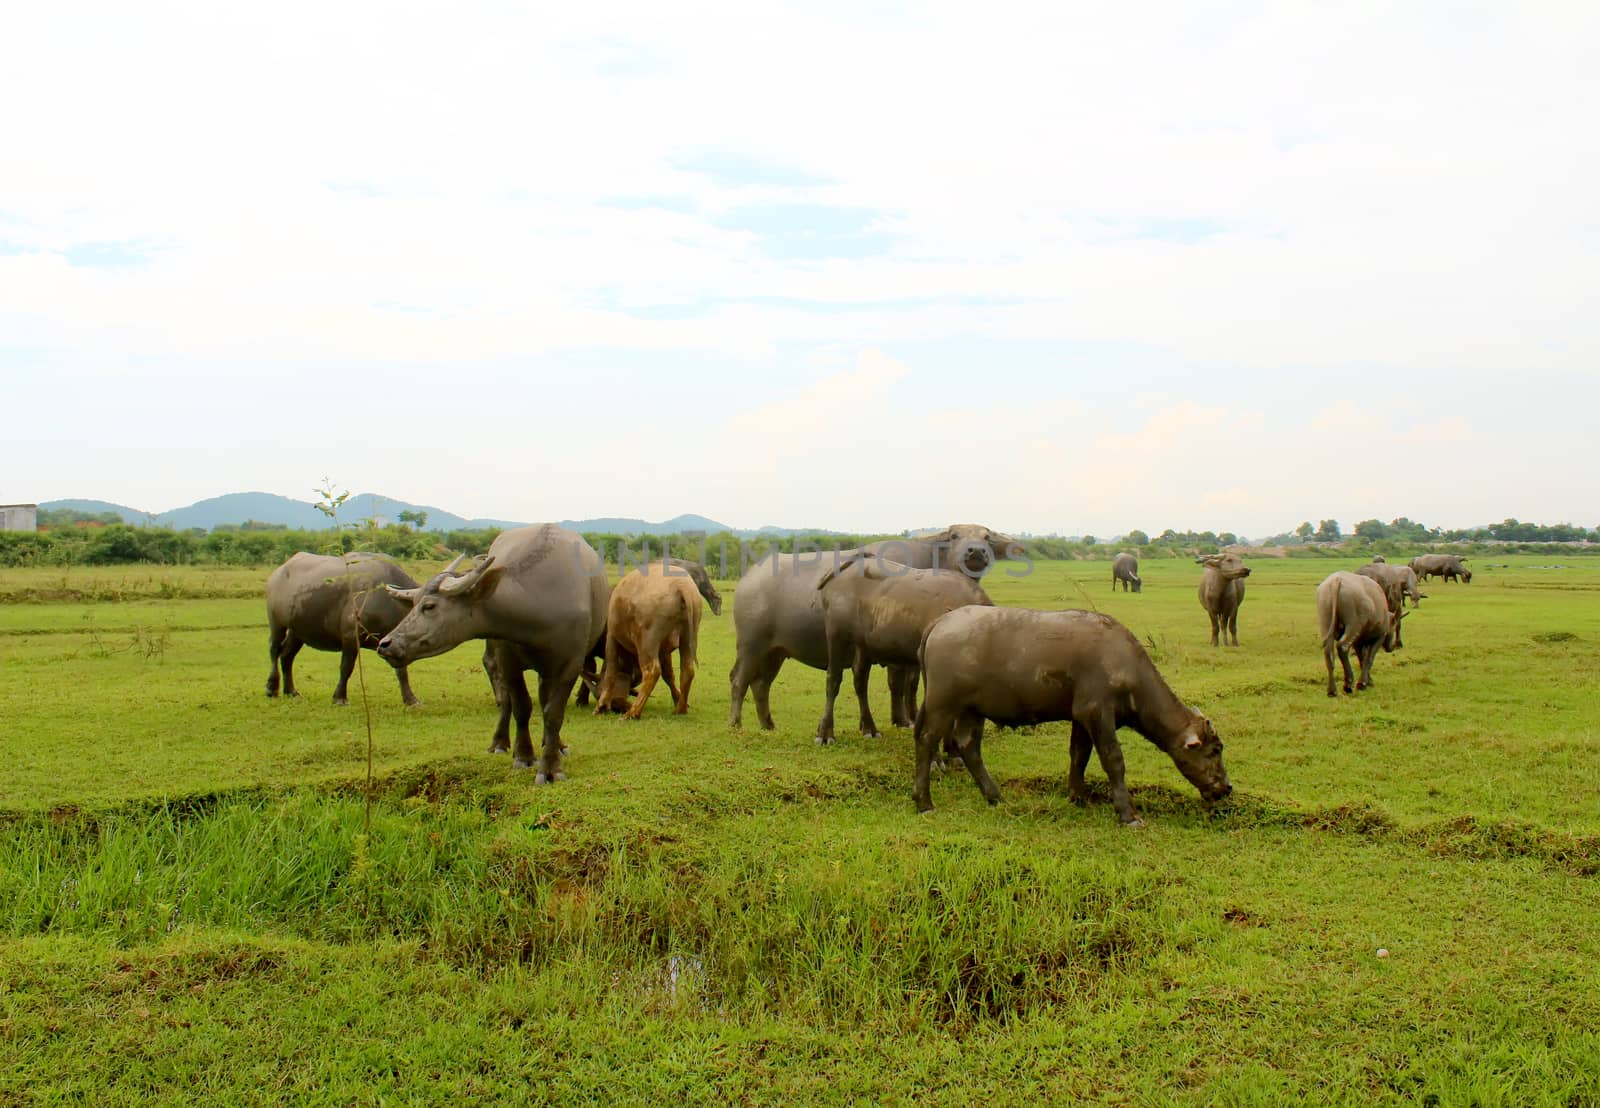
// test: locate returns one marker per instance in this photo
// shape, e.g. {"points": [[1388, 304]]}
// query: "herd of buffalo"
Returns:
{"points": [[541, 600]]}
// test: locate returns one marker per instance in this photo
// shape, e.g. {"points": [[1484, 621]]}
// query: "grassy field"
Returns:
{"points": [[189, 906]]}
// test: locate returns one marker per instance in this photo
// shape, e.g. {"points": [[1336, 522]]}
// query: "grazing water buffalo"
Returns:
{"points": [[539, 596], [1354, 611], [1447, 566], [777, 612], [650, 616], [1221, 593], [1397, 583], [591, 674], [332, 603], [1125, 568], [874, 612], [1017, 666], [1400, 579]]}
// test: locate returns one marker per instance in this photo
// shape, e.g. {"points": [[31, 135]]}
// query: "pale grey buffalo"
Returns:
{"points": [[539, 597], [874, 612], [777, 612], [1016, 666], [1353, 612], [1221, 593], [328, 602], [1125, 568], [1402, 578], [1447, 566]]}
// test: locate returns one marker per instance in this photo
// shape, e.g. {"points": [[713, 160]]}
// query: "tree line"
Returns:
{"points": [[112, 542]]}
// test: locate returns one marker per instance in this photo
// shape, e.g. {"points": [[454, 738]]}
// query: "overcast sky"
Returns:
{"points": [[1051, 267]]}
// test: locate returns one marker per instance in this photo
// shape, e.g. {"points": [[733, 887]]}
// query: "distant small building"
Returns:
{"points": [[19, 517]]}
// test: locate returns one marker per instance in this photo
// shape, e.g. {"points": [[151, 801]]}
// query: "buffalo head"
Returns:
{"points": [[445, 612], [1228, 564], [974, 547], [1198, 756]]}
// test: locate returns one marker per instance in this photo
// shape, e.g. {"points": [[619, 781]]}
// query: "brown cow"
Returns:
{"points": [[1354, 611], [651, 614], [1222, 591]]}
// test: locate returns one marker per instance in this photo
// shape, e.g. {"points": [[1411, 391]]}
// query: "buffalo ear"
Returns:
{"points": [[1192, 741], [408, 597]]}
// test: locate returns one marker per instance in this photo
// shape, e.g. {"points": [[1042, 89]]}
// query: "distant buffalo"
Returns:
{"points": [[1125, 568], [1447, 566], [1221, 593]]}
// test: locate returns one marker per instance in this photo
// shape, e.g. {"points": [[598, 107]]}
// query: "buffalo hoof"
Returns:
{"points": [[499, 748], [873, 734], [1080, 799], [1133, 824], [543, 778], [824, 740], [340, 702], [413, 703], [1333, 694]]}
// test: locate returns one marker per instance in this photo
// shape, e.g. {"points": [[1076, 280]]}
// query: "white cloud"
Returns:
{"points": [[1285, 210]]}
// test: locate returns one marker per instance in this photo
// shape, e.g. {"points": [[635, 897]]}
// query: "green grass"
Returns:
{"points": [[189, 906]]}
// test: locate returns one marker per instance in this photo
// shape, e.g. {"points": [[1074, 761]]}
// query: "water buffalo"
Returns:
{"points": [[591, 674], [970, 547], [874, 612], [332, 603], [1354, 611], [1400, 579], [1125, 568], [1222, 591], [650, 615], [1397, 583], [539, 596], [777, 613], [1018, 666], [1447, 566]]}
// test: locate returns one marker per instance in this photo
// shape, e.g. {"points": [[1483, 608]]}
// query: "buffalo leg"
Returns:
{"points": [[763, 689], [1364, 655], [1344, 660], [522, 709], [500, 742], [1327, 656], [902, 695], [1233, 626], [275, 639], [407, 697], [969, 740], [1104, 732], [1213, 616], [291, 647], [650, 669], [668, 676], [1082, 747], [554, 692], [688, 666], [861, 673], [347, 666], [831, 693], [738, 682], [931, 728]]}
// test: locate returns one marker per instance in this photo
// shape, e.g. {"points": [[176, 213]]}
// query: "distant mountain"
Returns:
{"points": [[677, 525], [95, 507], [265, 507]]}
